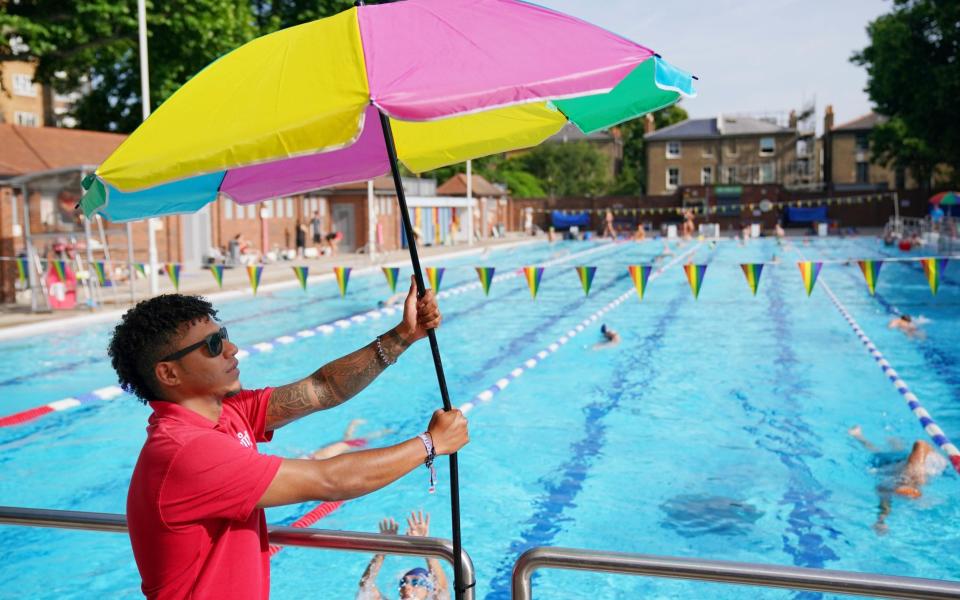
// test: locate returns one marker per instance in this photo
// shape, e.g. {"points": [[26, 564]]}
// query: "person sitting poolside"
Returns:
{"points": [[349, 443], [640, 234], [611, 338], [417, 583], [906, 324], [900, 477]]}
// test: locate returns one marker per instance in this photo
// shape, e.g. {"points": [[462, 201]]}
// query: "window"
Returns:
{"points": [[731, 175], [767, 146], [767, 172], [673, 178], [706, 175], [731, 147], [26, 119], [289, 202], [673, 149], [23, 85], [251, 211], [708, 150], [863, 172], [863, 142], [227, 208], [803, 147], [901, 178]]}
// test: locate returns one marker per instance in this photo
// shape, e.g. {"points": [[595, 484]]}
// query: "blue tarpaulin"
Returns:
{"points": [[562, 221], [806, 215]]}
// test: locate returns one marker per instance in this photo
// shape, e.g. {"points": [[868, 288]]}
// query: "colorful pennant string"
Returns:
{"points": [[809, 271], [533, 275], [640, 274], [173, 270], [752, 272], [253, 273], [695, 275], [391, 273], [99, 268], [60, 268], [434, 275], [301, 274], [217, 272], [343, 277], [933, 268], [586, 278], [871, 272], [486, 278], [141, 268], [22, 269]]}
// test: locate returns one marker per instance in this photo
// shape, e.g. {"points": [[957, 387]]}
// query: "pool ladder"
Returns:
{"points": [[718, 571]]}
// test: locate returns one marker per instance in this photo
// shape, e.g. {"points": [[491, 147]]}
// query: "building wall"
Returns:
{"points": [[14, 100], [720, 154], [844, 157]]}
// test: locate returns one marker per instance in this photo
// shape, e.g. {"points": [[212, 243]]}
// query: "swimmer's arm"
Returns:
{"points": [[442, 590], [368, 589], [342, 477], [335, 382]]}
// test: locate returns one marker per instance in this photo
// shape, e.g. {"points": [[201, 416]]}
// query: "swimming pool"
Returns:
{"points": [[716, 429]]}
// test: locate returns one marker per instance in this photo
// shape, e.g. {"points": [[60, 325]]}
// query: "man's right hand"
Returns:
{"points": [[448, 429]]}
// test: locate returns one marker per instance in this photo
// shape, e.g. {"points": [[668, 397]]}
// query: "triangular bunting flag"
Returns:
{"points": [[253, 273], [586, 277], [141, 268], [173, 270], [809, 271], [22, 269], [391, 273], [871, 271], [434, 275], [99, 268], [301, 274], [640, 275], [752, 272], [933, 268], [486, 278], [60, 268], [695, 275], [533, 275], [343, 277], [217, 272]]}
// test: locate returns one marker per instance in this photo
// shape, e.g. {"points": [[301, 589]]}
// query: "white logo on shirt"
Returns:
{"points": [[245, 440]]}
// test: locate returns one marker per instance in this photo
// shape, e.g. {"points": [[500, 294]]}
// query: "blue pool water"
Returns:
{"points": [[716, 429]]}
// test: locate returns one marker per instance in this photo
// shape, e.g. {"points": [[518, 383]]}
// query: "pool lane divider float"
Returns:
{"points": [[926, 421], [502, 383], [113, 391]]}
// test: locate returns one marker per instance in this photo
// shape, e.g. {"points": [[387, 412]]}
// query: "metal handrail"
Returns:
{"points": [[284, 536], [818, 580]]}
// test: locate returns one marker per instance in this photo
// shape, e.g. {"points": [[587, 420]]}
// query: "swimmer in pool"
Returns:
{"points": [[908, 326], [899, 476], [610, 338], [415, 584], [392, 300], [349, 443]]}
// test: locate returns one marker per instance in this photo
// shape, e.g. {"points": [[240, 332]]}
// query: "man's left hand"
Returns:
{"points": [[419, 315]]}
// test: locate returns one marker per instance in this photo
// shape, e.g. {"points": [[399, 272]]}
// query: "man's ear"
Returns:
{"points": [[167, 374]]}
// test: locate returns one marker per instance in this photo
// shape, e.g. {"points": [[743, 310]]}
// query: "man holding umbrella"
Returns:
{"points": [[196, 498]]}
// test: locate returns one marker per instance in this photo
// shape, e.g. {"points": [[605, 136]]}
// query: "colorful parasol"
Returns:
{"points": [[946, 198], [298, 109]]}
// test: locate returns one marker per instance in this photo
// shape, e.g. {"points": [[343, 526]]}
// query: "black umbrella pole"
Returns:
{"points": [[458, 584]]}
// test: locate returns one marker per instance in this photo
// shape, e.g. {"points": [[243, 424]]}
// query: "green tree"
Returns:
{"points": [[567, 169], [913, 77], [92, 45], [632, 179]]}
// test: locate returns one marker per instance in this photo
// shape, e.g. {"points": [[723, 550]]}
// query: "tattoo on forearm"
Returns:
{"points": [[333, 383]]}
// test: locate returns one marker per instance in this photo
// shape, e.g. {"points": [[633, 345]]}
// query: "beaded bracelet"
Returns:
{"points": [[383, 355]]}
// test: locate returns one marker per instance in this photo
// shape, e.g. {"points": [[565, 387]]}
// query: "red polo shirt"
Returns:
{"points": [[191, 508]]}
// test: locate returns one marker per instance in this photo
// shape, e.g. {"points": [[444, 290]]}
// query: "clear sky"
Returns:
{"points": [[750, 55]]}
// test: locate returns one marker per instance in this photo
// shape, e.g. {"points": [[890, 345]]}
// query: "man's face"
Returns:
{"points": [[201, 374], [413, 587]]}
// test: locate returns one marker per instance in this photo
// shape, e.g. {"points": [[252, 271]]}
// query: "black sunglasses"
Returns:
{"points": [[213, 342]]}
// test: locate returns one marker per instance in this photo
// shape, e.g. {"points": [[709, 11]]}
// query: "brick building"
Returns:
{"points": [[848, 163], [30, 104], [729, 150]]}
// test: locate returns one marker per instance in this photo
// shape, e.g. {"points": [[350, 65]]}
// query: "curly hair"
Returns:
{"points": [[145, 334]]}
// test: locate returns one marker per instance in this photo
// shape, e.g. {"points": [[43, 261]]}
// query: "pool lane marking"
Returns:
{"points": [[926, 420], [113, 391], [502, 383]]}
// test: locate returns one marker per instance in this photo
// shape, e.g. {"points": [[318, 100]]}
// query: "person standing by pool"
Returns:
{"points": [[315, 230], [900, 477], [608, 228], [197, 494], [419, 583]]}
